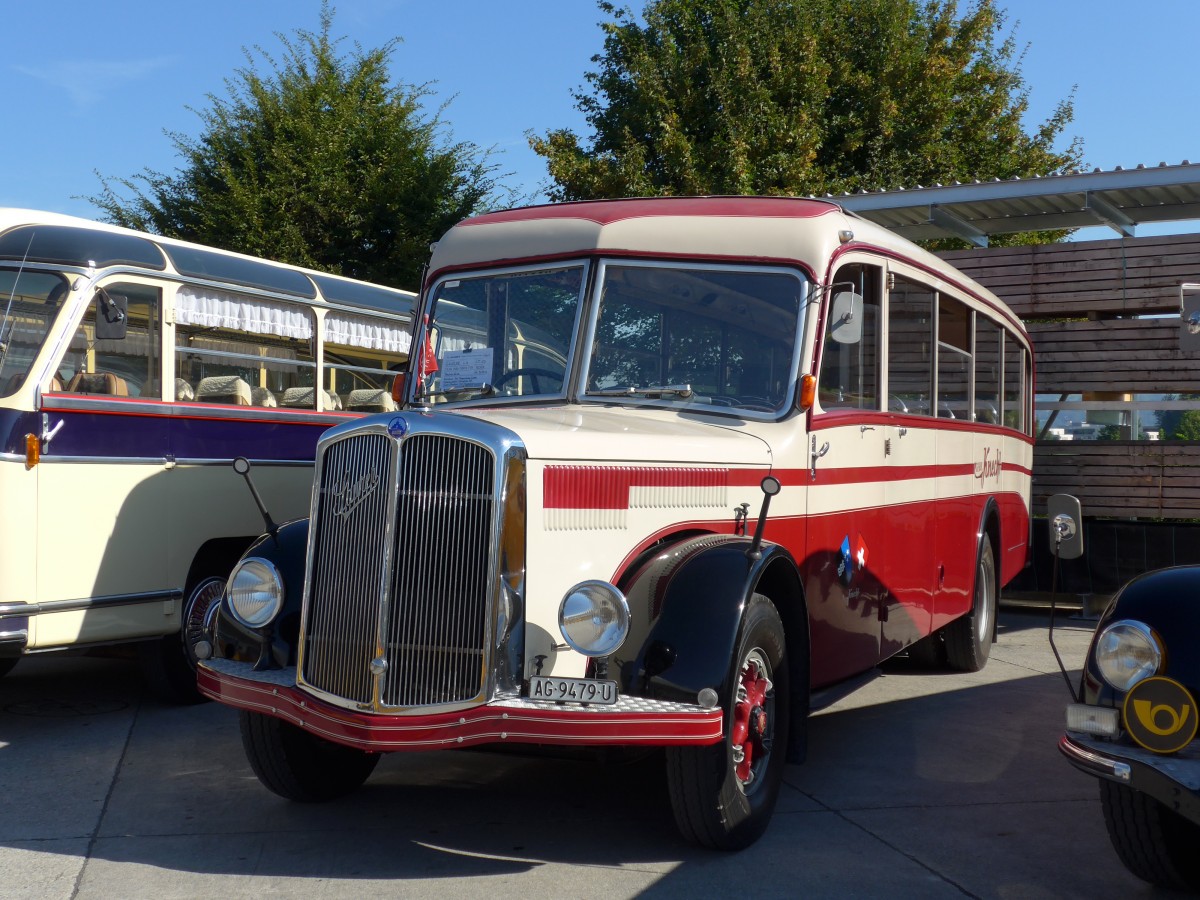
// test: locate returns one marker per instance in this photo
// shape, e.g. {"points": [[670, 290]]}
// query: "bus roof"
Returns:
{"points": [[53, 238], [768, 229]]}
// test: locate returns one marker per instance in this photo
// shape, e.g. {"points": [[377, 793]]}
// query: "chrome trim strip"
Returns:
{"points": [[144, 406], [11, 610], [157, 461]]}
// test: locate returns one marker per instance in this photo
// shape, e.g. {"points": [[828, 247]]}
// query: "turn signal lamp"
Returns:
{"points": [[398, 388], [808, 391], [33, 450]]}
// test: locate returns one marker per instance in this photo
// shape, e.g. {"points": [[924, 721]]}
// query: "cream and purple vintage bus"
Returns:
{"points": [[669, 472], [133, 368]]}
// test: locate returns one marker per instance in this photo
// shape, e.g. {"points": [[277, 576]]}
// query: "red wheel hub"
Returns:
{"points": [[751, 723]]}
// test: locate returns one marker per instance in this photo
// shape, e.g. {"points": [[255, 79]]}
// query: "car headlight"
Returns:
{"points": [[594, 618], [1127, 652], [255, 592]]}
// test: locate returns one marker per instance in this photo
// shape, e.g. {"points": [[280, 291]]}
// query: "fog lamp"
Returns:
{"points": [[1099, 720], [255, 592], [1127, 652], [594, 618]]}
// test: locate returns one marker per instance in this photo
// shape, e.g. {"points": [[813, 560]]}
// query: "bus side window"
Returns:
{"points": [[988, 347], [953, 359], [239, 350], [910, 351], [127, 366], [850, 371]]}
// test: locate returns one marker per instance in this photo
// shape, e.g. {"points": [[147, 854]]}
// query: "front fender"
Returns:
{"points": [[1168, 600], [692, 595], [287, 550]]}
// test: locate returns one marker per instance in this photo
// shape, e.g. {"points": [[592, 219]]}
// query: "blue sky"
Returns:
{"points": [[92, 86]]}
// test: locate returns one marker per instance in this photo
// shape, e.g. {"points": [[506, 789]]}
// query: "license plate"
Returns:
{"points": [[572, 690]]}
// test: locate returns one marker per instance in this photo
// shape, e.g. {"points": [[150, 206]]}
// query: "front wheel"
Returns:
{"points": [[1155, 843], [299, 766], [723, 794], [969, 639]]}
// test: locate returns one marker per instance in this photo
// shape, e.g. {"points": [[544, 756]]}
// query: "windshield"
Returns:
{"points": [[720, 336], [500, 334], [29, 303]]}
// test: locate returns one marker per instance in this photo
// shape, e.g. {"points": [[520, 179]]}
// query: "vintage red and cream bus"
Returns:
{"points": [[668, 472], [133, 369]]}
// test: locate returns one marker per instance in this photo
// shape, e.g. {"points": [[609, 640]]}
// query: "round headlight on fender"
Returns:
{"points": [[1128, 652], [255, 592], [594, 618]]}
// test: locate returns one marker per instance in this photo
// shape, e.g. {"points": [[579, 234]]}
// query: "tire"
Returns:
{"points": [[1155, 843], [723, 795], [298, 766], [969, 639], [169, 664]]}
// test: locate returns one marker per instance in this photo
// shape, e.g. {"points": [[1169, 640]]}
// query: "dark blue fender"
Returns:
{"points": [[693, 594], [287, 550], [1168, 600]]}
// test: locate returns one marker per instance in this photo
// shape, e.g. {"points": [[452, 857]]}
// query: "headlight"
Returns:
{"points": [[594, 618], [255, 592], [1127, 652]]}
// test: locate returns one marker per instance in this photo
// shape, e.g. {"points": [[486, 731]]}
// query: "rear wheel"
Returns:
{"points": [[298, 766], [169, 664], [1155, 843], [723, 794], [969, 639]]}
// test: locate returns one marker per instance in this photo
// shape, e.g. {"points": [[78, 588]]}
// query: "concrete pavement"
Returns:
{"points": [[922, 785]]}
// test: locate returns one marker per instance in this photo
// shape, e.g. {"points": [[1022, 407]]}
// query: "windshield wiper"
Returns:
{"points": [[652, 391]]}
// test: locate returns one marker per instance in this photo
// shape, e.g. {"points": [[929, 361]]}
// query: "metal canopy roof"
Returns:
{"points": [[1121, 199]]}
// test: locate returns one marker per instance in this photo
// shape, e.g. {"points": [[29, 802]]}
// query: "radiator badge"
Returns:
{"points": [[347, 495], [398, 427]]}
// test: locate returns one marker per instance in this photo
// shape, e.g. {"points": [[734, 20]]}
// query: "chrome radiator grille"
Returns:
{"points": [[430, 612]]}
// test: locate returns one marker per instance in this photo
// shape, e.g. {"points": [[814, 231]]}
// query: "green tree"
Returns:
{"points": [[1179, 424], [319, 161], [801, 97]]}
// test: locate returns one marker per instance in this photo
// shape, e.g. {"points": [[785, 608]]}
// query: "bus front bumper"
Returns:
{"points": [[632, 721]]}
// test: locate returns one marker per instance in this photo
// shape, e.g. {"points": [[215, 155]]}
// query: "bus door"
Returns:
{"points": [[103, 511], [910, 451], [848, 530]]}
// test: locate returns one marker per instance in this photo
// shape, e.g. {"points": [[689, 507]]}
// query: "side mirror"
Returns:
{"points": [[1066, 526], [112, 320], [846, 317]]}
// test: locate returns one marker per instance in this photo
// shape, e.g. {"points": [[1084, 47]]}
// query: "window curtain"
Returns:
{"points": [[367, 334], [210, 308]]}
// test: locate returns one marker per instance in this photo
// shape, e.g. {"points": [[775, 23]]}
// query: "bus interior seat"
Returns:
{"points": [[370, 400], [98, 383], [223, 389], [302, 398], [183, 391], [260, 396]]}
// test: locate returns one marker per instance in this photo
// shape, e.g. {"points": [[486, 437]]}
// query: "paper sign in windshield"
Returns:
{"points": [[466, 368]]}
